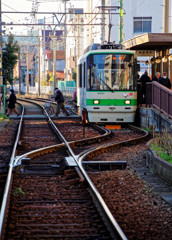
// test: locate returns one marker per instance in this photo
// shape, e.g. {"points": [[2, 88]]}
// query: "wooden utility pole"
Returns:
{"points": [[103, 23], [166, 16], [121, 22]]}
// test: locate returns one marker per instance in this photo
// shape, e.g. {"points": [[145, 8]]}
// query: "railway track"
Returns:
{"points": [[35, 167], [77, 206]]}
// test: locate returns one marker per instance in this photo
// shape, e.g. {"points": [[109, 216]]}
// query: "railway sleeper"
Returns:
{"points": [[63, 211], [105, 165], [39, 169]]}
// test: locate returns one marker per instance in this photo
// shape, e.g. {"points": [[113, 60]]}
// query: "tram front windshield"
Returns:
{"points": [[110, 72]]}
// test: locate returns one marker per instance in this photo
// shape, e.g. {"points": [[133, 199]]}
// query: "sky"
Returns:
{"points": [[26, 5]]}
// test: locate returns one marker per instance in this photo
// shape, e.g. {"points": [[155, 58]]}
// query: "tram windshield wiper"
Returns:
{"points": [[106, 85]]}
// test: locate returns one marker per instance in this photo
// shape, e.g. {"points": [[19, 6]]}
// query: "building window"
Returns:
{"points": [[142, 24]]}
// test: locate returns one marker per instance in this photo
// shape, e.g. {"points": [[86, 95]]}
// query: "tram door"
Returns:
{"points": [[81, 98]]}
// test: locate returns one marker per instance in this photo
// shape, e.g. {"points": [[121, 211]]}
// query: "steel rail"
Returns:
{"points": [[81, 158], [5, 201], [120, 234], [117, 232], [7, 190], [78, 161], [113, 145]]}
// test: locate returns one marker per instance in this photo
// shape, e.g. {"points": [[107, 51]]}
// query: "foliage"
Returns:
{"points": [[2, 116], [166, 142], [36, 78], [46, 79], [74, 75], [147, 129], [18, 191], [160, 153], [10, 56], [163, 148], [50, 77]]}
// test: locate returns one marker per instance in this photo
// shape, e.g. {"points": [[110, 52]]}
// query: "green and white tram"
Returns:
{"points": [[107, 84]]}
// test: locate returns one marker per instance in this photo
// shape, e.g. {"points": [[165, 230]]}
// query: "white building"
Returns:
{"points": [[74, 40], [138, 17]]}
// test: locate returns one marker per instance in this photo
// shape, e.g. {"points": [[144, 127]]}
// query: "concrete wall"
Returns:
{"points": [[159, 166], [151, 116]]}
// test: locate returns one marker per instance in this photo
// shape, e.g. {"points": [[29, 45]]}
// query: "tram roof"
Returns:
{"points": [[150, 41]]}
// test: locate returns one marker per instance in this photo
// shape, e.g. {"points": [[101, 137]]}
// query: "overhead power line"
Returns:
{"points": [[50, 24], [31, 12]]}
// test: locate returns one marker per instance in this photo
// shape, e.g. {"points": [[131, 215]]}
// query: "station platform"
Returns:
{"points": [[149, 116]]}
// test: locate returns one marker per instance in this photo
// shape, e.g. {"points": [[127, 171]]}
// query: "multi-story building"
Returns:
{"points": [[74, 41], [52, 56], [106, 22]]}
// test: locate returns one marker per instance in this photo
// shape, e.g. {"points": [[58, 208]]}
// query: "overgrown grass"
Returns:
{"points": [[2, 117], [160, 153], [163, 148], [18, 191], [147, 129]]}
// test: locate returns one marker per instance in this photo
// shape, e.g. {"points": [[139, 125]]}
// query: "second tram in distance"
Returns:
{"points": [[107, 84]]}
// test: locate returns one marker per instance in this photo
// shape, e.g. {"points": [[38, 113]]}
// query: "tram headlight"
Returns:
{"points": [[96, 101], [127, 102]]}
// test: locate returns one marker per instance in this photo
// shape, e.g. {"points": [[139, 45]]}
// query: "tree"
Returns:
{"points": [[9, 59], [74, 75]]}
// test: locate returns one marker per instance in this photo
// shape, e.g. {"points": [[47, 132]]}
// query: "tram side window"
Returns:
{"points": [[80, 75]]}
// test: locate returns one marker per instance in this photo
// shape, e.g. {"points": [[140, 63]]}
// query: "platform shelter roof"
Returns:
{"points": [[150, 41]]}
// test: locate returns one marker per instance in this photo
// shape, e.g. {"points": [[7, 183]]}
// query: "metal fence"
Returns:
{"points": [[157, 96], [46, 90], [144, 99], [162, 98]]}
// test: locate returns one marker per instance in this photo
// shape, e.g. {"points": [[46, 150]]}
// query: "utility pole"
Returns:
{"points": [[166, 16], [79, 34], [27, 76], [121, 22], [39, 83], [54, 60], [103, 23], [65, 31], [110, 11], [44, 47], [110, 26], [19, 72], [53, 37]]}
